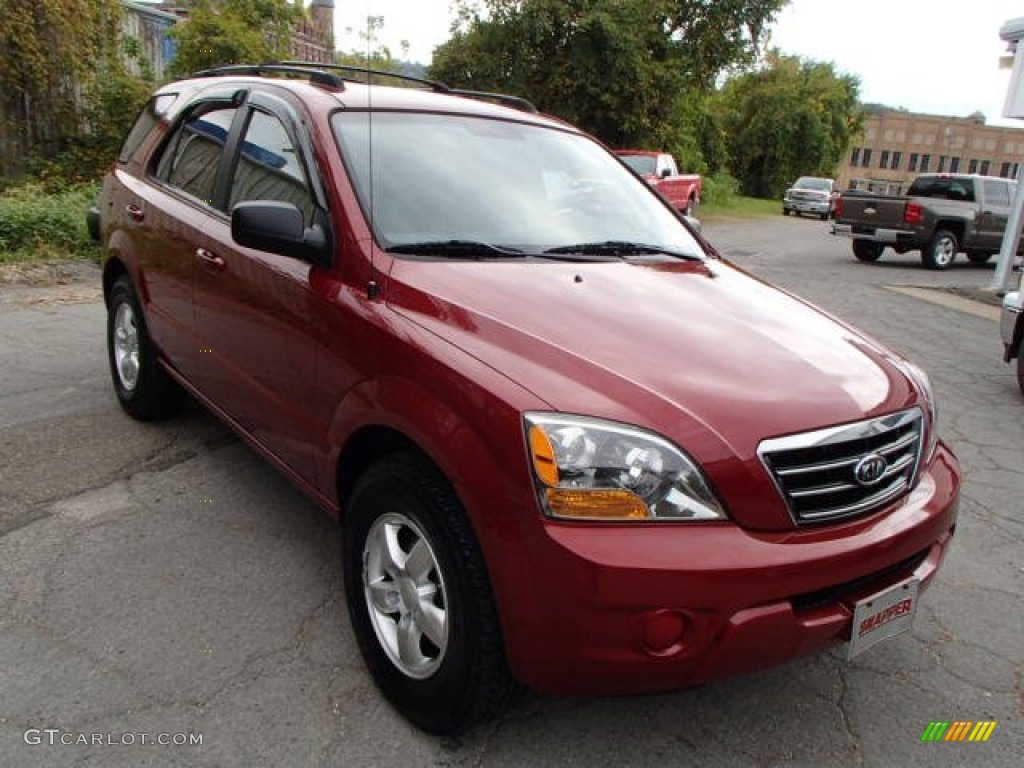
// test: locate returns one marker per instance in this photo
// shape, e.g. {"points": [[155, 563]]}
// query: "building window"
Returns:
{"points": [[1016, 170], [883, 162], [1004, 170], [912, 163], [896, 160], [984, 168], [954, 165], [972, 166], [855, 156], [926, 161], [865, 160], [942, 163]]}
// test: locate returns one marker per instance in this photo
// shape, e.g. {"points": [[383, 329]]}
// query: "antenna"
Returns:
{"points": [[373, 288]]}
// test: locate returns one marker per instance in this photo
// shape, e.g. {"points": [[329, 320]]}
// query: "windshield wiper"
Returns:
{"points": [[622, 248], [471, 249]]}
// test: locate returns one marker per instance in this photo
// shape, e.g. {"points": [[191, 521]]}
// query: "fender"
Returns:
{"points": [[497, 510]]}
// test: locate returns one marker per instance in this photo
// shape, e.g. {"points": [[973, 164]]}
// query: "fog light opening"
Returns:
{"points": [[663, 632]]}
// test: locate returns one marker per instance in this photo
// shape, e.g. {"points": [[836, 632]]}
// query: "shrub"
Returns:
{"points": [[36, 224], [720, 190]]}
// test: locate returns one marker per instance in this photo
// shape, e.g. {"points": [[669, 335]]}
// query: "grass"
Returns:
{"points": [[36, 225], [738, 207]]}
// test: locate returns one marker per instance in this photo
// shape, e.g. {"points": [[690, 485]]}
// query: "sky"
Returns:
{"points": [[934, 56]]}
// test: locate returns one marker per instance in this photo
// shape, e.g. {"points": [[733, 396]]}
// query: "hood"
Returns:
{"points": [[704, 354]]}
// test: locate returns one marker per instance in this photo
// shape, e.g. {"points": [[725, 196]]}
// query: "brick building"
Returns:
{"points": [[896, 146]]}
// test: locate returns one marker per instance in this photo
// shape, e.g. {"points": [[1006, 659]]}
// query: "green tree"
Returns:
{"points": [[793, 117], [234, 31], [624, 70]]}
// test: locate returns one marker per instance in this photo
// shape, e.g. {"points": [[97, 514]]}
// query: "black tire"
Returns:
{"points": [[823, 216], [143, 388], [691, 205], [978, 258], [785, 211], [1020, 370], [463, 679], [941, 250], [867, 250]]}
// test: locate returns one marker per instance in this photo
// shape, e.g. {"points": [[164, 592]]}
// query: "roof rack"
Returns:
{"points": [[434, 85], [321, 74]]}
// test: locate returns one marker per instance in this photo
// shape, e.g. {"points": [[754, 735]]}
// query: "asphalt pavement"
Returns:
{"points": [[161, 583]]}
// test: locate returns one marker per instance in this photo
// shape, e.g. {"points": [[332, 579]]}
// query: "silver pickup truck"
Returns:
{"points": [[941, 215]]}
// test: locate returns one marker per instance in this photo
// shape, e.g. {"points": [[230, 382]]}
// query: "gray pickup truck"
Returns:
{"points": [[941, 215]]}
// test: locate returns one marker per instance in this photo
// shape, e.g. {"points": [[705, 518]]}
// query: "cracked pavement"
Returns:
{"points": [[161, 578]]}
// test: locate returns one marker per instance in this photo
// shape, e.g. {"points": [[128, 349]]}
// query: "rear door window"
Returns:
{"points": [[192, 156], [997, 193]]}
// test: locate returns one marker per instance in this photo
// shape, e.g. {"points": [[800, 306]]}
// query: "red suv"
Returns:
{"points": [[570, 445]]}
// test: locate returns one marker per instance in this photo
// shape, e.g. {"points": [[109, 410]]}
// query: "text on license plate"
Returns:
{"points": [[883, 615]]}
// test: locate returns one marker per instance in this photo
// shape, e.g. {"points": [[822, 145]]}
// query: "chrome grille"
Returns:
{"points": [[842, 472]]}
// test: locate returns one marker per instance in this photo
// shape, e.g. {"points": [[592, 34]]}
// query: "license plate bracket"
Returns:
{"points": [[883, 615]]}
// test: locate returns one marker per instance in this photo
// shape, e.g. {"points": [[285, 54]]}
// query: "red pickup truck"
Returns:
{"points": [[661, 172]]}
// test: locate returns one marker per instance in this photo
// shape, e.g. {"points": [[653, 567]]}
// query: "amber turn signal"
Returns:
{"points": [[543, 454], [596, 504]]}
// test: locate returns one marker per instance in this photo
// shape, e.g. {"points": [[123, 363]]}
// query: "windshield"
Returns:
{"points": [[645, 165], [807, 182], [439, 178]]}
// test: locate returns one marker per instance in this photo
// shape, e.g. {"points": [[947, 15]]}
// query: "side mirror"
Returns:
{"points": [[665, 173], [278, 227]]}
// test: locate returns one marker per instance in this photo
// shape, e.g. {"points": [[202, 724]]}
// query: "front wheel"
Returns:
{"points": [[941, 251], [142, 387], [420, 600], [867, 250]]}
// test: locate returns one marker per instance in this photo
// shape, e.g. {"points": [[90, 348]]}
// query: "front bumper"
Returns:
{"points": [[807, 206], [652, 608]]}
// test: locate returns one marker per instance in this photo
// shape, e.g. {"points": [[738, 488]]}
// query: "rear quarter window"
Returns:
{"points": [[147, 120]]}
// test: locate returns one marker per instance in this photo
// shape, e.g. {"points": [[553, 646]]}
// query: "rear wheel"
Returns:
{"points": [[142, 387], [691, 205], [940, 252], [420, 600], [867, 250]]}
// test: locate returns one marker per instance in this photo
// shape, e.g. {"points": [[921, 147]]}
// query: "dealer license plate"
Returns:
{"points": [[883, 615]]}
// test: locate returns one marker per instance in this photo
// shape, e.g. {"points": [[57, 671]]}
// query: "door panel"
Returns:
{"points": [[170, 211], [256, 314]]}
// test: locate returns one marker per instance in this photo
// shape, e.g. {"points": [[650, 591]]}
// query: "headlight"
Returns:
{"points": [[919, 377], [598, 470]]}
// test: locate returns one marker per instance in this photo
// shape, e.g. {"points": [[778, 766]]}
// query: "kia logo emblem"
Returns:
{"points": [[870, 470]]}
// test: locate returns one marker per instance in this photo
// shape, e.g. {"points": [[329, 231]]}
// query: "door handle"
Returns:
{"points": [[135, 212], [211, 260]]}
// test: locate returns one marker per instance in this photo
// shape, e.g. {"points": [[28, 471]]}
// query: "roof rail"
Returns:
{"points": [[435, 85], [315, 74]]}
